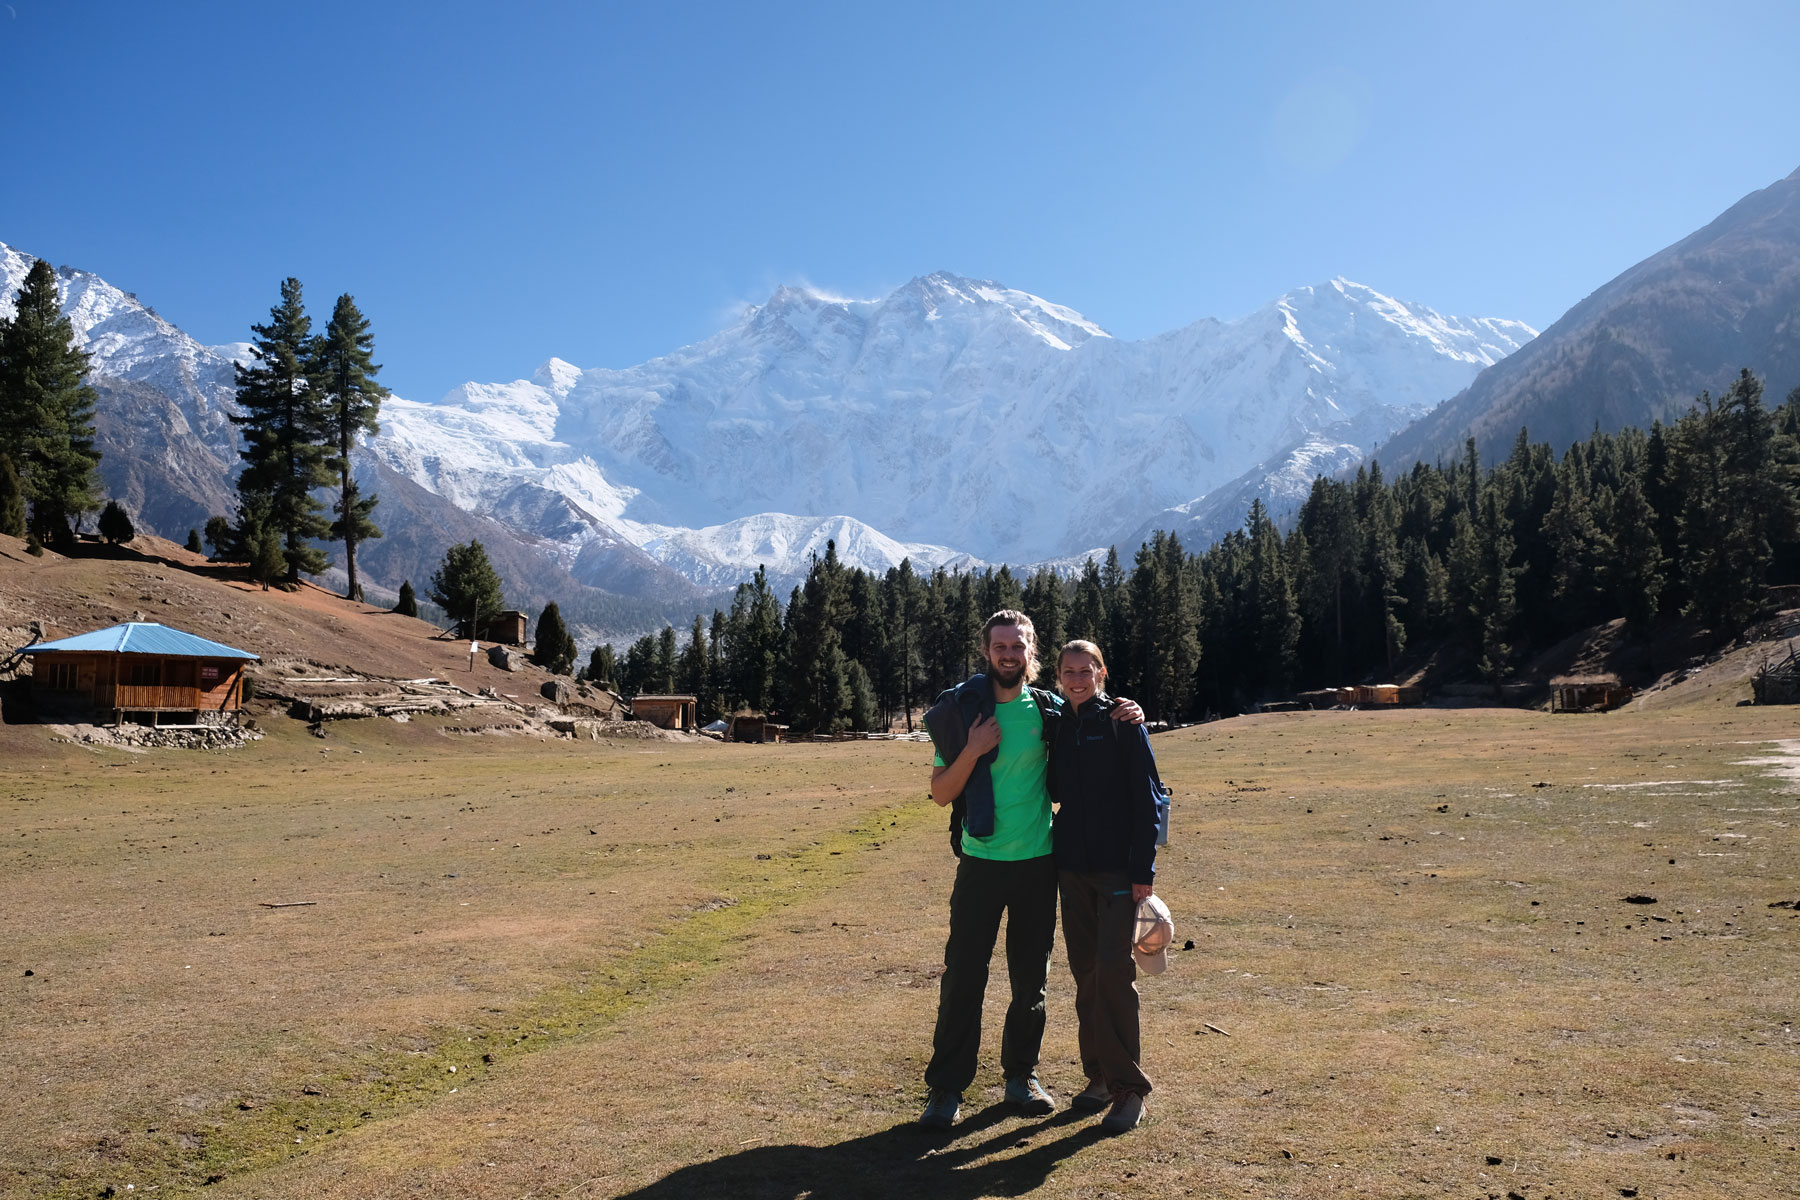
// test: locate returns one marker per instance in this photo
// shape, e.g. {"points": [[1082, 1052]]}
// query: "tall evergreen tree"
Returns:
{"points": [[818, 687], [603, 666], [46, 411], [554, 649], [637, 673], [115, 524], [1087, 612], [466, 586], [12, 499], [345, 368], [664, 678], [752, 646], [1633, 569], [284, 424], [690, 668]]}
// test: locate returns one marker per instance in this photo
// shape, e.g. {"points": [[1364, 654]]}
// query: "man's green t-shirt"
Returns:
{"points": [[1021, 791]]}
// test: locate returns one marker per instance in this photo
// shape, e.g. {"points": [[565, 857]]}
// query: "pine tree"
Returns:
{"points": [[664, 675], [1328, 521], [1275, 629], [753, 643], [261, 540], [467, 587], [1043, 603], [554, 649], [818, 683], [603, 666], [46, 411], [1087, 614], [1578, 544], [12, 499], [1633, 571], [1738, 499], [220, 536], [690, 669], [862, 715], [345, 367], [284, 426], [637, 671], [408, 603], [193, 542], [115, 524]]}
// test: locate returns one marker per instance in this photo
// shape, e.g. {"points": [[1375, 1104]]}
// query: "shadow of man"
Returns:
{"points": [[903, 1161]]}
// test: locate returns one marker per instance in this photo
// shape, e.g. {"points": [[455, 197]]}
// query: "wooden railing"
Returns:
{"points": [[156, 697]]}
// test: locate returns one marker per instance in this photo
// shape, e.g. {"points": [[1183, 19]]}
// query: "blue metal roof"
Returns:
{"points": [[143, 637]]}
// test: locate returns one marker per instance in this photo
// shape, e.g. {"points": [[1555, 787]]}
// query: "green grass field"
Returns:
{"points": [[506, 968]]}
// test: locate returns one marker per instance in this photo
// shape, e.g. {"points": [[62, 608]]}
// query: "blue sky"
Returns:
{"points": [[499, 183]]}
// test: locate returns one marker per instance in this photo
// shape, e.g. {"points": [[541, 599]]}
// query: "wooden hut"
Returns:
{"points": [[666, 712], [754, 727], [1587, 693], [142, 667], [506, 627]]}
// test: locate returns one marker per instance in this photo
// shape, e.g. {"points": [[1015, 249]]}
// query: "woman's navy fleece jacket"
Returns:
{"points": [[1103, 779]]}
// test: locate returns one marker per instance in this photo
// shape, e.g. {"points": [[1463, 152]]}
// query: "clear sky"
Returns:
{"points": [[502, 182]]}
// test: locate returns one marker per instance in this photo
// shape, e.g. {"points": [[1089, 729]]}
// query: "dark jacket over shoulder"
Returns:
{"points": [[1103, 779], [948, 721]]}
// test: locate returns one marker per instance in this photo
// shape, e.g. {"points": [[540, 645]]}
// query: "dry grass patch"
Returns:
{"points": [[1422, 959]]}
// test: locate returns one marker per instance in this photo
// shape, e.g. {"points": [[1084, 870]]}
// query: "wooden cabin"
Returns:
{"points": [[506, 627], [667, 712], [142, 668], [755, 728], [1587, 693]]}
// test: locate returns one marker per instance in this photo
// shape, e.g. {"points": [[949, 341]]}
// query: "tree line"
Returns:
{"points": [[1484, 562]]}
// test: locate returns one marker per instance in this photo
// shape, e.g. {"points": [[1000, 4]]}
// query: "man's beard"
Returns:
{"points": [[1006, 680]]}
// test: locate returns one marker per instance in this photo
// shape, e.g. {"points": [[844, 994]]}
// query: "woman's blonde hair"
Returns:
{"points": [[1082, 647]]}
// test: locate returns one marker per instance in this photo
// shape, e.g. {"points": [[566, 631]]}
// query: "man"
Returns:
{"points": [[990, 734]]}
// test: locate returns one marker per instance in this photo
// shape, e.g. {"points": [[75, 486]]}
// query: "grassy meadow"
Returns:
{"points": [[394, 963]]}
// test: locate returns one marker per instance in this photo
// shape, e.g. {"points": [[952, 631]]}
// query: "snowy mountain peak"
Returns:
{"points": [[556, 376], [940, 293]]}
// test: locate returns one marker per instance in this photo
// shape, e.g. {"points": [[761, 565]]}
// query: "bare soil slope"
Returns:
{"points": [[307, 628]]}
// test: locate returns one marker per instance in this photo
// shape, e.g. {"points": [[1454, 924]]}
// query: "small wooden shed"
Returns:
{"points": [[666, 712], [754, 727], [143, 667], [1587, 693], [506, 627]]}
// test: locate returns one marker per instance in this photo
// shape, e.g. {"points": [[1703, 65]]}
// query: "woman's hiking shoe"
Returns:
{"points": [[1127, 1111], [1030, 1097], [1097, 1097], [941, 1109]]}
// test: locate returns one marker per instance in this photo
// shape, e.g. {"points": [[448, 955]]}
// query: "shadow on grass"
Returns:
{"points": [[903, 1161]]}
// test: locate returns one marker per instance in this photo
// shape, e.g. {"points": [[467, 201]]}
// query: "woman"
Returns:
{"points": [[1102, 778]]}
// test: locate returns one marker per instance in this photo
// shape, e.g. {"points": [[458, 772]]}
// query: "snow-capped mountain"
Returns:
{"points": [[169, 450], [954, 421], [953, 415]]}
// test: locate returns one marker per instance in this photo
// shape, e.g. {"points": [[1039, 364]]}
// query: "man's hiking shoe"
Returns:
{"points": [[1030, 1097], [1097, 1097], [941, 1110], [1127, 1111]]}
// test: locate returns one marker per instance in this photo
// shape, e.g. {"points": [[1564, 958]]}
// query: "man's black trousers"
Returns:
{"points": [[1025, 892]]}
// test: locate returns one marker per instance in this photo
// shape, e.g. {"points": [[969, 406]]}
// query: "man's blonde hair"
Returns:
{"points": [[1012, 616]]}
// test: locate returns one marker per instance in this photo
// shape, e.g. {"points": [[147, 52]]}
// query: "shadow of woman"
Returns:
{"points": [[903, 1161]]}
